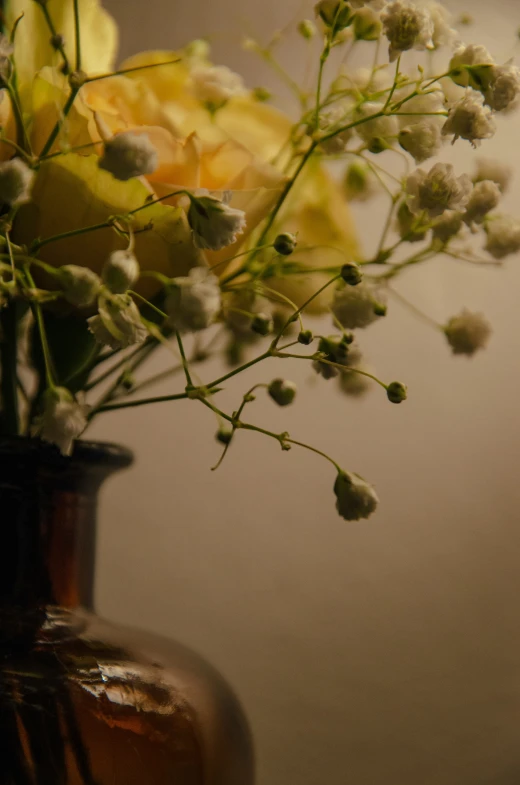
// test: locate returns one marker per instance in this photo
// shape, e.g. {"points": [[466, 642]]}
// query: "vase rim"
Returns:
{"points": [[105, 455]]}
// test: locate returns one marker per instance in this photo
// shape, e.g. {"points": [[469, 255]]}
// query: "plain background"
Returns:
{"points": [[380, 653]]}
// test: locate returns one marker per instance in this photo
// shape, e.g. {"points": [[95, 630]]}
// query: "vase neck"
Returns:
{"points": [[48, 506]]}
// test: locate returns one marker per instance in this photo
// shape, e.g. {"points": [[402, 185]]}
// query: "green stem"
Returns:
{"points": [[77, 35], [38, 316], [54, 34], [38, 244], [108, 407], [184, 359], [21, 132], [313, 449], [302, 308], [244, 367], [123, 71], [338, 366], [57, 128]]}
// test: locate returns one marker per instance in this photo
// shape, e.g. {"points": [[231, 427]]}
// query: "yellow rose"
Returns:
{"points": [[316, 209], [233, 150], [103, 108]]}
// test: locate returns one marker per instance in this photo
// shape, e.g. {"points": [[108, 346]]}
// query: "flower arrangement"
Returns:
{"points": [[163, 204]]}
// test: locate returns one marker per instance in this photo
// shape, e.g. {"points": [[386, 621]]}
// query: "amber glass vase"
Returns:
{"points": [[83, 702]]}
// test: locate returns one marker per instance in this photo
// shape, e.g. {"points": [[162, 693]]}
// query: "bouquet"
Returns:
{"points": [[162, 203]]}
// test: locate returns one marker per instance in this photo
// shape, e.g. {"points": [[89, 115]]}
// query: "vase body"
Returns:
{"points": [[83, 702]]}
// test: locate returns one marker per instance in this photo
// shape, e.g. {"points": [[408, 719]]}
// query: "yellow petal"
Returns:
{"points": [[71, 192], [8, 125], [33, 51], [47, 99]]}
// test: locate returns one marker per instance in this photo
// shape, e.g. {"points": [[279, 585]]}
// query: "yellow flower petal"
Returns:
{"points": [[33, 51], [71, 192]]}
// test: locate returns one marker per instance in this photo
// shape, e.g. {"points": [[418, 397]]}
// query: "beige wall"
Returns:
{"points": [[384, 653]]}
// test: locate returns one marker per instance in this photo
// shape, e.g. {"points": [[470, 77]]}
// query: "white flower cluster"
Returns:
{"points": [[407, 26], [16, 181], [448, 201], [128, 155], [62, 421], [468, 332], [194, 302], [215, 85], [355, 498], [473, 66], [214, 223], [358, 306]]}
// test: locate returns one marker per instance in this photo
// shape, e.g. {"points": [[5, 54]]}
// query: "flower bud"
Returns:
{"points": [[80, 285], [262, 324], [305, 337], [120, 271], [307, 29], [396, 392], [128, 155], [282, 391], [285, 244], [16, 180], [351, 274], [367, 25], [57, 41], [262, 94], [355, 498], [335, 14], [224, 436]]}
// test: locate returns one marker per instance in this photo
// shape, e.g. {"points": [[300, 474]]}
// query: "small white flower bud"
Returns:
{"points": [[214, 223], [331, 122], [305, 337], [407, 27], [367, 25], [285, 244], [215, 85], [282, 392], [409, 225], [335, 14], [119, 323], [472, 66], [437, 190], [357, 306], [62, 420], [467, 332], [360, 182], [422, 140], [448, 225], [396, 392], [504, 88], [307, 29], [128, 155], [355, 498], [443, 33], [352, 274], [80, 285], [379, 133], [194, 301], [484, 198], [120, 271], [16, 180], [262, 324], [470, 119], [503, 236]]}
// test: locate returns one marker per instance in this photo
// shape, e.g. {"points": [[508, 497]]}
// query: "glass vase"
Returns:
{"points": [[82, 701]]}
